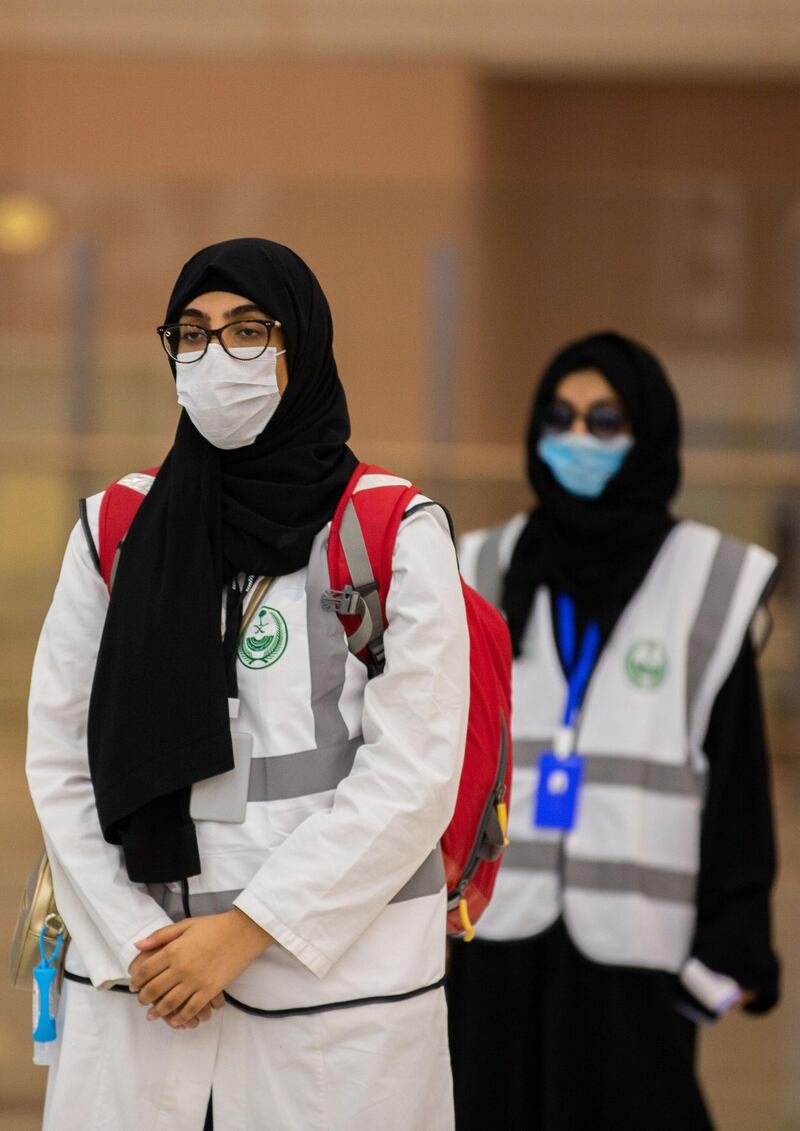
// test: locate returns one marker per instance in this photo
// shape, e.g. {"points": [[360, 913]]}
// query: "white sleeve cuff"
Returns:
{"points": [[304, 951], [128, 952], [716, 992]]}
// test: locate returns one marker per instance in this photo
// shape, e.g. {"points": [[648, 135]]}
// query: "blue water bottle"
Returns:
{"points": [[45, 995]]}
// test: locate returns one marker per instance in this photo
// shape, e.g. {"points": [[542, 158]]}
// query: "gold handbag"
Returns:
{"points": [[38, 909]]}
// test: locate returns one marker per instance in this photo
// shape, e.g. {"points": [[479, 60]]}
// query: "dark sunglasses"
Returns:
{"points": [[603, 420]]}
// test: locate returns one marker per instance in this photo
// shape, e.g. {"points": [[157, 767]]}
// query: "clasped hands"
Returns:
{"points": [[184, 967]]}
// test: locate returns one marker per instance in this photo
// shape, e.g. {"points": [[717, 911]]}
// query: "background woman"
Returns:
{"points": [[634, 899]]}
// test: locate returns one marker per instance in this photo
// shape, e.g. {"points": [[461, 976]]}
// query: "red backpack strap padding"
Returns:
{"points": [[360, 547], [118, 507]]}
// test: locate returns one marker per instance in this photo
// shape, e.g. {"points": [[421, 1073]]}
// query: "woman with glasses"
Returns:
{"points": [[633, 901], [242, 830]]}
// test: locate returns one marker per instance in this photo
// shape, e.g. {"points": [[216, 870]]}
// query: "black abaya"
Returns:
{"points": [[543, 1039]]}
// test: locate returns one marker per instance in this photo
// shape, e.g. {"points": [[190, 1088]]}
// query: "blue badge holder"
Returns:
{"points": [[556, 800]]}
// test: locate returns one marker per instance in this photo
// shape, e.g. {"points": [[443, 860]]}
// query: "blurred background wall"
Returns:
{"points": [[473, 184]]}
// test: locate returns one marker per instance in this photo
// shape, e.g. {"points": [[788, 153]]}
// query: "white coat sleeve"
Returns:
{"points": [[103, 910], [324, 885]]}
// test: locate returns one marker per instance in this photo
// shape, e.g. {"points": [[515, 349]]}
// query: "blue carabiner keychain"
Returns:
{"points": [[555, 802], [45, 997]]}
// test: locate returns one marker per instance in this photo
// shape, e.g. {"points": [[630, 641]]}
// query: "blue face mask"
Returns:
{"points": [[583, 465]]}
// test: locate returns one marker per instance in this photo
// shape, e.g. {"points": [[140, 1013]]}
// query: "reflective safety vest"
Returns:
{"points": [[624, 879]]}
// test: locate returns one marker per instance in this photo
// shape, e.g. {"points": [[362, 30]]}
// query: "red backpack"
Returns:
{"points": [[360, 547]]}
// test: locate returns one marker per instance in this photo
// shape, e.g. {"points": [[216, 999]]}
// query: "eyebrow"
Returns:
{"points": [[245, 308]]}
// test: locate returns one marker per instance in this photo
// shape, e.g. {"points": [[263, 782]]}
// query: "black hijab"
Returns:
{"points": [[598, 550], [158, 717]]}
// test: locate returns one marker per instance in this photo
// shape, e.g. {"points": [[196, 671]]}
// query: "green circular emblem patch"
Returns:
{"points": [[646, 664], [265, 640]]}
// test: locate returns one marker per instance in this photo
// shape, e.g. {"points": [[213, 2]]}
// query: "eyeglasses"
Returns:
{"points": [[603, 420], [187, 343]]}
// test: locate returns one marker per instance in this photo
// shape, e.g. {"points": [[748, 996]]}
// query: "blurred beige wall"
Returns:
{"points": [[665, 208], [740, 37]]}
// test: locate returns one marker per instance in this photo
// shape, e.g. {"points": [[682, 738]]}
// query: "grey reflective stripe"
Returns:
{"points": [[612, 769], [527, 750], [601, 875], [162, 895], [534, 855], [712, 613], [206, 903], [361, 574], [327, 656], [488, 581], [620, 769], [619, 877], [429, 879], [303, 773]]}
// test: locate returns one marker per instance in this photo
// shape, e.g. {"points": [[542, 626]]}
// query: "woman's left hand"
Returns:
{"points": [[184, 966]]}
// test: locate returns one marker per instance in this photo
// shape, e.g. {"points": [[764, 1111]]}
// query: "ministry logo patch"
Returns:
{"points": [[646, 664], [265, 640]]}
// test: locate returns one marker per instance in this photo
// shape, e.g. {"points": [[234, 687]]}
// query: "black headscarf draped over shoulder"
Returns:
{"points": [[158, 718], [598, 550]]}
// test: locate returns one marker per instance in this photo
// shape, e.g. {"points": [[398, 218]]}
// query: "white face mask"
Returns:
{"points": [[229, 401]]}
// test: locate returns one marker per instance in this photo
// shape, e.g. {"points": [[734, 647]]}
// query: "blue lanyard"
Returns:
{"points": [[578, 670]]}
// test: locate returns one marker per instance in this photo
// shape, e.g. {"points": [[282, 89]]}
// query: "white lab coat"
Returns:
{"points": [[322, 873]]}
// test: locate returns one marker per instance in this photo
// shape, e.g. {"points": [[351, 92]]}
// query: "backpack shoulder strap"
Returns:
{"points": [[360, 546], [118, 508]]}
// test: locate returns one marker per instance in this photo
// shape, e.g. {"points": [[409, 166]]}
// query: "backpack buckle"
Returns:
{"points": [[347, 602]]}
